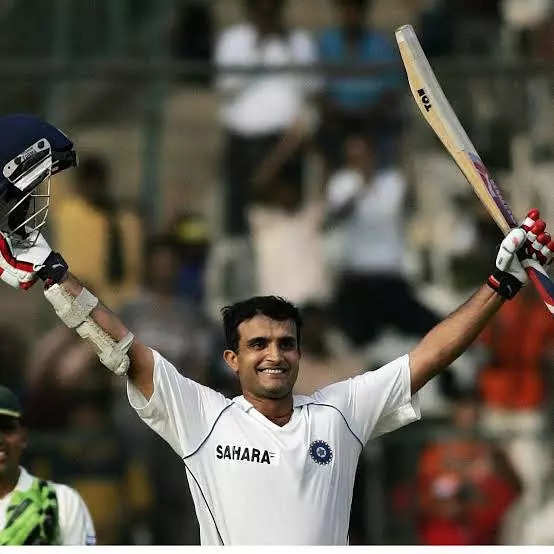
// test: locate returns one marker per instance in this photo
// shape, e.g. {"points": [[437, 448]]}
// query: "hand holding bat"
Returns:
{"points": [[522, 244], [439, 114]]}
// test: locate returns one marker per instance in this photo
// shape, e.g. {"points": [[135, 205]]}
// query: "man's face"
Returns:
{"points": [[267, 358], [13, 440]]}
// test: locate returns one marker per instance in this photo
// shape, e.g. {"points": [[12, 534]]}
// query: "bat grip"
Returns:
{"points": [[545, 287]]}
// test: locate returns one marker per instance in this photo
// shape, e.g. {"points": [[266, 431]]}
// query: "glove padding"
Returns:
{"points": [[32, 517], [527, 242], [21, 267]]}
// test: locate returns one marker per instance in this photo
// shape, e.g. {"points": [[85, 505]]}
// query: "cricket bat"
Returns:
{"points": [[439, 114]]}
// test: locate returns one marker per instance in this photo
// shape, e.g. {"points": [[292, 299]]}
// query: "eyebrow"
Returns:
{"points": [[256, 339], [262, 338]]}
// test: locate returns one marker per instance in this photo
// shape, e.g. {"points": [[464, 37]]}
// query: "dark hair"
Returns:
{"points": [[273, 307]]}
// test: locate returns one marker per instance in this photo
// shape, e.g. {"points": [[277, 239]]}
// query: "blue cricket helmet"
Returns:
{"points": [[31, 150], [19, 131]]}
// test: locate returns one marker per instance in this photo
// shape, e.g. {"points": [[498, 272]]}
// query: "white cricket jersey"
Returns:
{"points": [[254, 482], [76, 525]]}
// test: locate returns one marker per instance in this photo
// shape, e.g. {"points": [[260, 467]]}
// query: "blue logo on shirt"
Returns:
{"points": [[321, 452]]}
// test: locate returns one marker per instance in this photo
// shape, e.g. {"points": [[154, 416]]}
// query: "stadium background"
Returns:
{"points": [[133, 83]]}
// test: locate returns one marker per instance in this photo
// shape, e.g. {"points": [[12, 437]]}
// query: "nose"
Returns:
{"points": [[274, 352]]}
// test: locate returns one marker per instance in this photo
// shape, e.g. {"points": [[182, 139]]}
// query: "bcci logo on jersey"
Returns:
{"points": [[321, 452], [246, 454]]}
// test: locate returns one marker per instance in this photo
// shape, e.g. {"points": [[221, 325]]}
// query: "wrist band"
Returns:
{"points": [[504, 284]]}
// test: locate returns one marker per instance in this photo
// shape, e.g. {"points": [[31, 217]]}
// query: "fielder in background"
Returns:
{"points": [[34, 511], [265, 467]]}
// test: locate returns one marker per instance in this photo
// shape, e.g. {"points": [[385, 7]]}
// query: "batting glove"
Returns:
{"points": [[529, 241], [21, 267]]}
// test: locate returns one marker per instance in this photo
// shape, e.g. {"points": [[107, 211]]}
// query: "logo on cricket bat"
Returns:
{"points": [[425, 99], [492, 187]]}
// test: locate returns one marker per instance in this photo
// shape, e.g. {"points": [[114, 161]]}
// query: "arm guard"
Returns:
{"points": [[75, 313]]}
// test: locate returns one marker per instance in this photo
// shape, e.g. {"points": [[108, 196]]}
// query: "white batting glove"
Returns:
{"points": [[21, 267], [18, 266], [529, 241]]}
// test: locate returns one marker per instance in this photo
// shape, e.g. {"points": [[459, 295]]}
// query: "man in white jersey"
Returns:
{"points": [[266, 467], [34, 511]]}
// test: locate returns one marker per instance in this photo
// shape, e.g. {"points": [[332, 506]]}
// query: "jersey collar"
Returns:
{"points": [[297, 401]]}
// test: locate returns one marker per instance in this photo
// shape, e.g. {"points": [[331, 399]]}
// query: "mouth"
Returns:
{"points": [[272, 370]]}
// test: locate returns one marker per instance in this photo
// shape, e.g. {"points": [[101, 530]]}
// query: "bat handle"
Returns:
{"points": [[545, 287]]}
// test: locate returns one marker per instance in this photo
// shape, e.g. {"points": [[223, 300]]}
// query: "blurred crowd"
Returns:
{"points": [[319, 205]]}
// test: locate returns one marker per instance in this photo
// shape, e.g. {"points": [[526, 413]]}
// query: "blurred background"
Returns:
{"points": [[238, 147]]}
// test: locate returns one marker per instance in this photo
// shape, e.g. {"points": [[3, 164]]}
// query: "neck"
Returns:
{"points": [[8, 481], [277, 410]]}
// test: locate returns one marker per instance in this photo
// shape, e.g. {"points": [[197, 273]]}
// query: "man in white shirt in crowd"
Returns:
{"points": [[260, 111], [372, 291], [34, 511], [266, 467]]}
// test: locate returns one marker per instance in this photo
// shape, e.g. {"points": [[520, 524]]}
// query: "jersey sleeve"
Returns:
{"points": [[76, 525], [375, 402], [180, 410]]}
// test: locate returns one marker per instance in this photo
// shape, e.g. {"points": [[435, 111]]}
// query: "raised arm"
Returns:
{"points": [[141, 365], [79, 309], [450, 338], [31, 152]]}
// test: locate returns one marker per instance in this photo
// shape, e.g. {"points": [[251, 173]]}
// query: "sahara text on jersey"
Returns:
{"points": [[245, 454]]}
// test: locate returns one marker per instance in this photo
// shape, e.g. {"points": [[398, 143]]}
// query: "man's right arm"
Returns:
{"points": [[141, 368]]}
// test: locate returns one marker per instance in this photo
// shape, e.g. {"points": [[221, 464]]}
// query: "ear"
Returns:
{"points": [[231, 359]]}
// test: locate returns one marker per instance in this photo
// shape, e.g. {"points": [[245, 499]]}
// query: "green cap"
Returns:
{"points": [[9, 404]]}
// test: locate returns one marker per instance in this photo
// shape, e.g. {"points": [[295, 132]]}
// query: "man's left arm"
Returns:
{"points": [[450, 338]]}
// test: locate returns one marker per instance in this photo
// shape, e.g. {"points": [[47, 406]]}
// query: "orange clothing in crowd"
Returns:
{"points": [[462, 494], [519, 337]]}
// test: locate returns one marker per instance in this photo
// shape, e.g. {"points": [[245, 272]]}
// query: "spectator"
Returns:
{"points": [[262, 113], [465, 484], [288, 244], [191, 236], [113, 236], [175, 326], [369, 104], [56, 359], [34, 511], [365, 213]]}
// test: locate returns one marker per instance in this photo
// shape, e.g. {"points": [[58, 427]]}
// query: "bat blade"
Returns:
{"points": [[438, 112]]}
